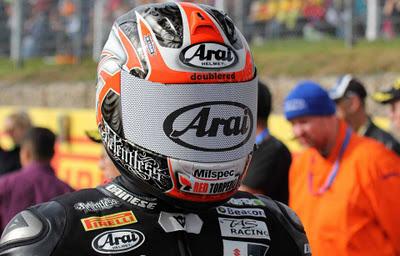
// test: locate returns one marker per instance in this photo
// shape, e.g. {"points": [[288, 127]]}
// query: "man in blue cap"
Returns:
{"points": [[344, 187]]}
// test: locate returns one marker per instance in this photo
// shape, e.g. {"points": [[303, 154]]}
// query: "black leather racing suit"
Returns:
{"points": [[114, 219], [386, 138]]}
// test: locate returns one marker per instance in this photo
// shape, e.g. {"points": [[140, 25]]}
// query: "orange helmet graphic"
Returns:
{"points": [[176, 102]]}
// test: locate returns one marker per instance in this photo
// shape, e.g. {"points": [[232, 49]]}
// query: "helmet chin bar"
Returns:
{"points": [[182, 183]]}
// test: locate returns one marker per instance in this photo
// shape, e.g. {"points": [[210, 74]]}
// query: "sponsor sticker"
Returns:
{"points": [[149, 44], [208, 56], [243, 228], [251, 212], [120, 192], [238, 248], [109, 221], [246, 201], [118, 241], [195, 185], [307, 248], [102, 204]]}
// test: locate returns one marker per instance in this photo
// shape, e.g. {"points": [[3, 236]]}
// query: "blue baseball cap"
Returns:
{"points": [[308, 99]]}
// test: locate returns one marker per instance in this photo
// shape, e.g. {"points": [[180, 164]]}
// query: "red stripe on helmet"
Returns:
{"points": [[247, 73], [132, 59]]}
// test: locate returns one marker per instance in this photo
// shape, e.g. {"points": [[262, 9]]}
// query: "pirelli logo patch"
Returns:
{"points": [[109, 221]]}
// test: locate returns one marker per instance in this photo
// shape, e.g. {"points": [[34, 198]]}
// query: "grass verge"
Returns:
{"points": [[273, 58]]}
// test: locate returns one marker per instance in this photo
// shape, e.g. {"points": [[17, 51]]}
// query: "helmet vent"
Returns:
{"points": [[200, 16], [226, 24]]}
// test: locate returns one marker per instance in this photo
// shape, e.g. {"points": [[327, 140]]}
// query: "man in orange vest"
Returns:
{"points": [[344, 187]]}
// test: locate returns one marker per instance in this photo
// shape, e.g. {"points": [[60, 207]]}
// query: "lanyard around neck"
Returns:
{"points": [[332, 174], [261, 136]]}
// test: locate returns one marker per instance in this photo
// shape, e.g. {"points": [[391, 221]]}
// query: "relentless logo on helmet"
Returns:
{"points": [[118, 241], [210, 122], [146, 166], [209, 55]]}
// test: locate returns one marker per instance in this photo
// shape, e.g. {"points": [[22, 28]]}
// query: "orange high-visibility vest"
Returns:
{"points": [[360, 213]]}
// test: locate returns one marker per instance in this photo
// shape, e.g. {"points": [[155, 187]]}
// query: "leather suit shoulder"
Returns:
{"points": [[290, 222], [35, 231], [287, 233]]}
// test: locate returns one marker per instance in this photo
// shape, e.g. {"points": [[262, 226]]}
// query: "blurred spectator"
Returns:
{"points": [[392, 98], [349, 95], [4, 27], [269, 168], [36, 181], [344, 187], [36, 28], [68, 34], [15, 126], [106, 165], [391, 20]]}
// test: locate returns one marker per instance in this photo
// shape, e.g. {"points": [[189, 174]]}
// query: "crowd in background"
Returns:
{"points": [[317, 18], [65, 28], [60, 27]]}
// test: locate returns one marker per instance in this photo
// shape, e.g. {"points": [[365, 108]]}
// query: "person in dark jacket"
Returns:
{"points": [[36, 182], [15, 126], [106, 165], [269, 168], [391, 96], [349, 95]]}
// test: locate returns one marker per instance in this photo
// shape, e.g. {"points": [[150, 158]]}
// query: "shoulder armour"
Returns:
{"points": [[290, 221], [35, 231]]}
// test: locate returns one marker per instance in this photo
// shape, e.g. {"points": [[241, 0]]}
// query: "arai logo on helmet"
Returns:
{"points": [[209, 55], [118, 241], [215, 126]]}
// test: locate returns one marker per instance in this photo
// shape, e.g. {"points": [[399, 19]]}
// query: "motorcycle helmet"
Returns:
{"points": [[176, 102]]}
